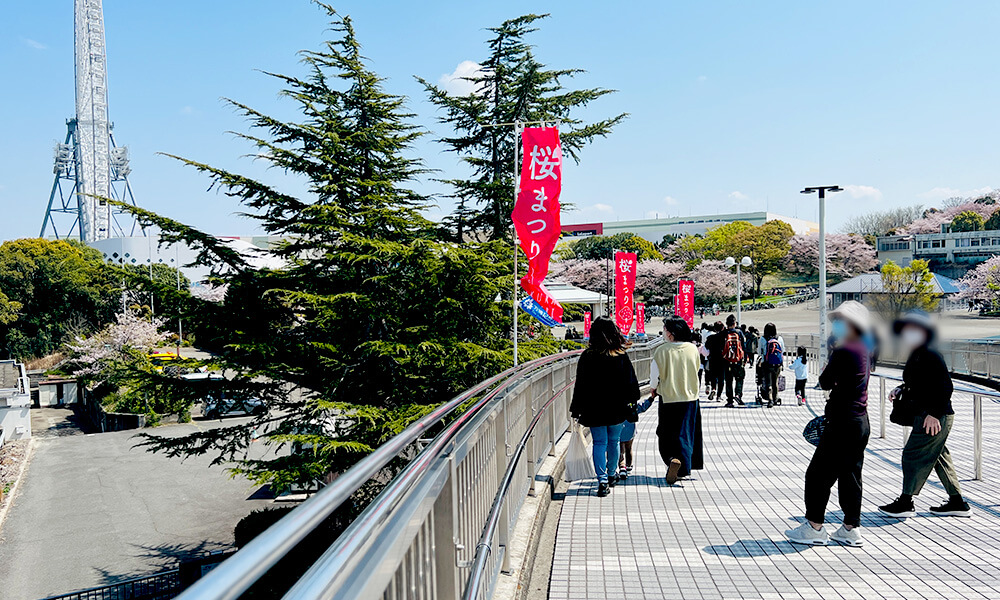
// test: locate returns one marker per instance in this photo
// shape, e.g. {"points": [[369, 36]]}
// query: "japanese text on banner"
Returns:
{"points": [[640, 319], [685, 301], [586, 325], [625, 265], [536, 212]]}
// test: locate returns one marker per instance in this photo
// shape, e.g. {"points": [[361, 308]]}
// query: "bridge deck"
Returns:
{"points": [[719, 535]]}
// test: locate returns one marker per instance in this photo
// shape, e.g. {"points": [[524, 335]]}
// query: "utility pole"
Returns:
{"points": [[822, 264]]}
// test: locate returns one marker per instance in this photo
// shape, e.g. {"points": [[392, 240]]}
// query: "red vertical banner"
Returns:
{"points": [[625, 263], [685, 301], [536, 211], [586, 325], [640, 319]]}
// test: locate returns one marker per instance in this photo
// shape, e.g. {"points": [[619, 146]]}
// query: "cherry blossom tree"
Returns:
{"points": [[982, 282], [934, 218], [715, 282], [846, 255], [93, 355]]}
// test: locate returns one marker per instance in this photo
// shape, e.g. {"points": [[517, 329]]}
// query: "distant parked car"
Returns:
{"points": [[219, 403]]}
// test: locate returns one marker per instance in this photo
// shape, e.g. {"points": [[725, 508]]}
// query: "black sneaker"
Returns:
{"points": [[730, 405], [623, 475], [612, 480], [954, 507], [899, 508], [603, 489], [739, 401]]}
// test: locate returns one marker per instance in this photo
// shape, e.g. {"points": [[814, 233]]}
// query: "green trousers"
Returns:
{"points": [[924, 452]]}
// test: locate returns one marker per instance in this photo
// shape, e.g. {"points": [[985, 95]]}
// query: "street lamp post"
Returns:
{"points": [[822, 263], [746, 262]]}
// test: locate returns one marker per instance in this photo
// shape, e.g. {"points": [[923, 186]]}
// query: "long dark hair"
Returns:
{"points": [[678, 328], [605, 338]]}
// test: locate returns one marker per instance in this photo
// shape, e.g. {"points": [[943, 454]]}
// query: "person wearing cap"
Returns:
{"points": [[927, 389], [840, 455]]}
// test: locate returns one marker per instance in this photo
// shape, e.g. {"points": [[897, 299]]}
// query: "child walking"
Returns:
{"points": [[801, 374], [628, 436]]}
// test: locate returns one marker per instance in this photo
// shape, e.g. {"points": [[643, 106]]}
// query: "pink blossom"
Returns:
{"points": [[932, 222], [982, 282], [846, 255]]}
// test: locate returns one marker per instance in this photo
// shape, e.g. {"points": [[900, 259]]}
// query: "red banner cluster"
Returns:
{"points": [[684, 301], [536, 211], [625, 265]]}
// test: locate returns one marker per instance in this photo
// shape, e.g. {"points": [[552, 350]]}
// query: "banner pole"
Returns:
{"points": [[517, 189]]}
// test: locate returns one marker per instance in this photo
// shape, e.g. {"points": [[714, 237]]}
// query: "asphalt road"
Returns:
{"points": [[94, 510]]}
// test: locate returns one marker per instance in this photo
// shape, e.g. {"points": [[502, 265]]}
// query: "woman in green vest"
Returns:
{"points": [[673, 376]]}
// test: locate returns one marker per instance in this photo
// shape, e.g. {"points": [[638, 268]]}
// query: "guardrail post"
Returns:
{"points": [[881, 412], [445, 514], [977, 435]]}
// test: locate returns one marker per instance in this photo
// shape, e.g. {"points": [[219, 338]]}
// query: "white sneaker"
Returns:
{"points": [[848, 538], [805, 534]]}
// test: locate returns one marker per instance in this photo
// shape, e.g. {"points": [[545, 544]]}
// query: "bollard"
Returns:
{"points": [[977, 435], [881, 412]]}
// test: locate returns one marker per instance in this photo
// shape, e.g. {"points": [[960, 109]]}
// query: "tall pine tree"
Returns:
{"points": [[511, 85], [372, 320]]}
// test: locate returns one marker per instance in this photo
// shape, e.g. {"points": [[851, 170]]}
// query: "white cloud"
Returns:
{"points": [[671, 201], [188, 110], [943, 193], [864, 191], [738, 195], [33, 44], [455, 83], [939, 193], [702, 78], [605, 208]]}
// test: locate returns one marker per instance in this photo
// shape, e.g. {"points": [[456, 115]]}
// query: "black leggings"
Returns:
{"points": [[800, 388], [839, 459]]}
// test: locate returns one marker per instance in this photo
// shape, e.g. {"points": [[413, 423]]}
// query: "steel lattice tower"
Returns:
{"points": [[88, 162]]}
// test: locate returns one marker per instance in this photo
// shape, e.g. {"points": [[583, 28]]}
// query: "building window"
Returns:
{"points": [[963, 243], [890, 246]]}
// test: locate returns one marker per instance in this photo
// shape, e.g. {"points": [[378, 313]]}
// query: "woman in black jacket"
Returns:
{"points": [[926, 392], [606, 387]]}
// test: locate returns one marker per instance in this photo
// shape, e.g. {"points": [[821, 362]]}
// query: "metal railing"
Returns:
{"points": [[455, 504], [161, 586], [977, 359], [977, 417]]}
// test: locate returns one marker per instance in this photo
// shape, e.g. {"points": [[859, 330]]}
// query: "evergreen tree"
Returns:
{"points": [[512, 85], [372, 320]]}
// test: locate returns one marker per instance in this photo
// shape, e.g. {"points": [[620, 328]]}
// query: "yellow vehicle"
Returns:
{"points": [[163, 359]]}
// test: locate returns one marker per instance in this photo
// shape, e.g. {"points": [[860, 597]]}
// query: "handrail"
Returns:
{"points": [[237, 573], [977, 418], [483, 548], [318, 580]]}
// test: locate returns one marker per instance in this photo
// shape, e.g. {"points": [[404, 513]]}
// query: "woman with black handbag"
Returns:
{"points": [[924, 402]]}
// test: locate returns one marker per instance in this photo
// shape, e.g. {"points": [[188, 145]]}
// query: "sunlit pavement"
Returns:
{"points": [[719, 535]]}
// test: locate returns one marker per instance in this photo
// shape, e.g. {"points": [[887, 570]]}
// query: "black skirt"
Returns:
{"points": [[679, 432]]}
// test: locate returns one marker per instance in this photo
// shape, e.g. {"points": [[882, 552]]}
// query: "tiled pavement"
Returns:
{"points": [[719, 535]]}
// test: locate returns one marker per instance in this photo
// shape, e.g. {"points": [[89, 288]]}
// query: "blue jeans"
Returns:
{"points": [[606, 449]]}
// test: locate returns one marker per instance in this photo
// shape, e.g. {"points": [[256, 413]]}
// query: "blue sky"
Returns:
{"points": [[733, 105]]}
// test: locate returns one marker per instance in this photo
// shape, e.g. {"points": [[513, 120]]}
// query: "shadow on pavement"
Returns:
{"points": [[755, 548], [160, 558]]}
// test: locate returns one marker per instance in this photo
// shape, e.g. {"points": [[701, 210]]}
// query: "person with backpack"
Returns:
{"points": [[673, 376], [840, 455], [605, 390], [772, 356], [733, 353], [924, 400]]}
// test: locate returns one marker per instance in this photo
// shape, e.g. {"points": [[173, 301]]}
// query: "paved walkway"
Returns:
{"points": [[94, 510], [719, 535]]}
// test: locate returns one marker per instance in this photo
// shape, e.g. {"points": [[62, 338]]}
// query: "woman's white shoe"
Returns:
{"points": [[848, 537], [805, 534]]}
